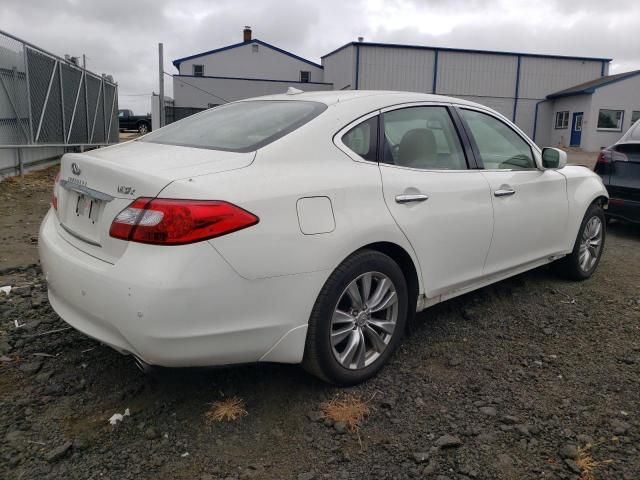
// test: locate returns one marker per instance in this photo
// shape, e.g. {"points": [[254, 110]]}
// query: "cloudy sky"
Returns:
{"points": [[120, 37]]}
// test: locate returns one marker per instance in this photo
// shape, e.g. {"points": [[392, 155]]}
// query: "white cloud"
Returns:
{"points": [[120, 37]]}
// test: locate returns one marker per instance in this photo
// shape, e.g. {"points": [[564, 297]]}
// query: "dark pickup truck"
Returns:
{"points": [[129, 121]]}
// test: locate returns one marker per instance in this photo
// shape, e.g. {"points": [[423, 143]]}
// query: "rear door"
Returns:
{"points": [[530, 205], [440, 202]]}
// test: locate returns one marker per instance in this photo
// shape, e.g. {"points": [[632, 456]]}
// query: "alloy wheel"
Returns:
{"points": [[590, 244], [364, 320]]}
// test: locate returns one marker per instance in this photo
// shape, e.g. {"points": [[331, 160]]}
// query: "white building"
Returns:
{"points": [[247, 69], [518, 85], [595, 114]]}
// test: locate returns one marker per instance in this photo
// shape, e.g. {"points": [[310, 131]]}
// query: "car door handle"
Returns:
{"points": [[420, 197], [504, 192]]}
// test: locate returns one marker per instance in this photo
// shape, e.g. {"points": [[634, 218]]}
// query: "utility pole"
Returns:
{"points": [[161, 83], [84, 61]]}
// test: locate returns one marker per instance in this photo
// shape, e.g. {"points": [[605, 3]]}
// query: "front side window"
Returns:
{"points": [[562, 120], [304, 76], [198, 70], [499, 146], [610, 119], [363, 139], [238, 127], [422, 137]]}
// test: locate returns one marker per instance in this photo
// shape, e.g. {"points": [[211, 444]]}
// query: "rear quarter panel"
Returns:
{"points": [[305, 163], [583, 188]]}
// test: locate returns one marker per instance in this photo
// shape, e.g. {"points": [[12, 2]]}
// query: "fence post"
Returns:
{"points": [[161, 83], [20, 163]]}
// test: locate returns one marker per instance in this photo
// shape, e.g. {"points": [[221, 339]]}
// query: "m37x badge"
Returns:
{"points": [[126, 190]]}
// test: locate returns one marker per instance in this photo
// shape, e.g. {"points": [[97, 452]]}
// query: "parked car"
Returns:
{"points": [[619, 167], [128, 121], [307, 228]]}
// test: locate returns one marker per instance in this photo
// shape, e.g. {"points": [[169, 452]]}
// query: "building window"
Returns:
{"points": [[635, 116], [562, 120], [255, 48], [198, 70], [304, 76], [610, 120]]}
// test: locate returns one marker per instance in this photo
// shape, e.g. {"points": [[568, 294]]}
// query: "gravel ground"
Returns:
{"points": [[513, 381]]}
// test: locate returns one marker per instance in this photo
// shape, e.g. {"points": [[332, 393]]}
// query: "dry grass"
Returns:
{"points": [[226, 410], [349, 409], [587, 464]]}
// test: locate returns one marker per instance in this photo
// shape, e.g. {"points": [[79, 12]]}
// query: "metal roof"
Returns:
{"points": [[587, 88], [177, 62], [464, 50]]}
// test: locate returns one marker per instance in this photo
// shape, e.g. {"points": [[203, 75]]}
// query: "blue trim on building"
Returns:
{"points": [[357, 65], [464, 50], [254, 79], [515, 97], [602, 70], [435, 72], [177, 62], [535, 120]]}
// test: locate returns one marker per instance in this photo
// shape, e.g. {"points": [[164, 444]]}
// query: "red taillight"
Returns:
{"points": [[607, 156], [54, 195], [604, 157], [165, 221]]}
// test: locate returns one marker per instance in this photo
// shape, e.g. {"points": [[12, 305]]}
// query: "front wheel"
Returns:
{"points": [[587, 251], [358, 319]]}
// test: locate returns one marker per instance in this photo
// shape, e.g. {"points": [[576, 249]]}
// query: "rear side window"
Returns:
{"points": [[423, 138], [238, 127], [363, 139]]}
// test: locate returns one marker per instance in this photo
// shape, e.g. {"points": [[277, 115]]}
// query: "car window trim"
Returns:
{"points": [[535, 152], [469, 160], [337, 137]]}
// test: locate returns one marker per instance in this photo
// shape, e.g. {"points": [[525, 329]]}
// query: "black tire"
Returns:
{"points": [[319, 358], [569, 266], [143, 128]]}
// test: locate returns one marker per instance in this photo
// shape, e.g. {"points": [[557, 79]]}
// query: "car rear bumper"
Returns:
{"points": [[622, 209], [177, 306]]}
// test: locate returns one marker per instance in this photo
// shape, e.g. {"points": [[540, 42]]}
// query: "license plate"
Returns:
{"points": [[88, 208]]}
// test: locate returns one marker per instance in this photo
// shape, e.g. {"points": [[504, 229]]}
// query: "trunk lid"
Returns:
{"points": [[95, 186]]}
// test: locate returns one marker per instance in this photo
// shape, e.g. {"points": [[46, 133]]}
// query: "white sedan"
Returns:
{"points": [[307, 228]]}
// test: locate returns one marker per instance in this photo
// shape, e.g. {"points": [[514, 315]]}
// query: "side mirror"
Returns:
{"points": [[553, 158]]}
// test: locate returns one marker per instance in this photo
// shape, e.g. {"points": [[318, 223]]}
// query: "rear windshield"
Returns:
{"points": [[238, 127]]}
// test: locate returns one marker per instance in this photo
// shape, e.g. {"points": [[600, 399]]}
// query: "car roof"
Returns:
{"points": [[332, 97]]}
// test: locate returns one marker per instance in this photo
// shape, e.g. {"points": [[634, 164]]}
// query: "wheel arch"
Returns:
{"points": [[409, 269]]}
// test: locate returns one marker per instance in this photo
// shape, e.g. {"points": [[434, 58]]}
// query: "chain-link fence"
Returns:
{"points": [[48, 100]]}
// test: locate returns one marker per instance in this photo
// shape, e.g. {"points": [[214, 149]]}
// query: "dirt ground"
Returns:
{"points": [[532, 378]]}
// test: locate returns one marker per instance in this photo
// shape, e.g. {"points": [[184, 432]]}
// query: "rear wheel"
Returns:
{"points": [[358, 319], [143, 128], [587, 251]]}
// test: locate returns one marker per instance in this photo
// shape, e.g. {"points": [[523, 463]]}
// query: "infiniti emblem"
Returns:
{"points": [[75, 169]]}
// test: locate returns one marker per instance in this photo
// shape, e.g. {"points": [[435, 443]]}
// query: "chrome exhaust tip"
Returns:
{"points": [[142, 365]]}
